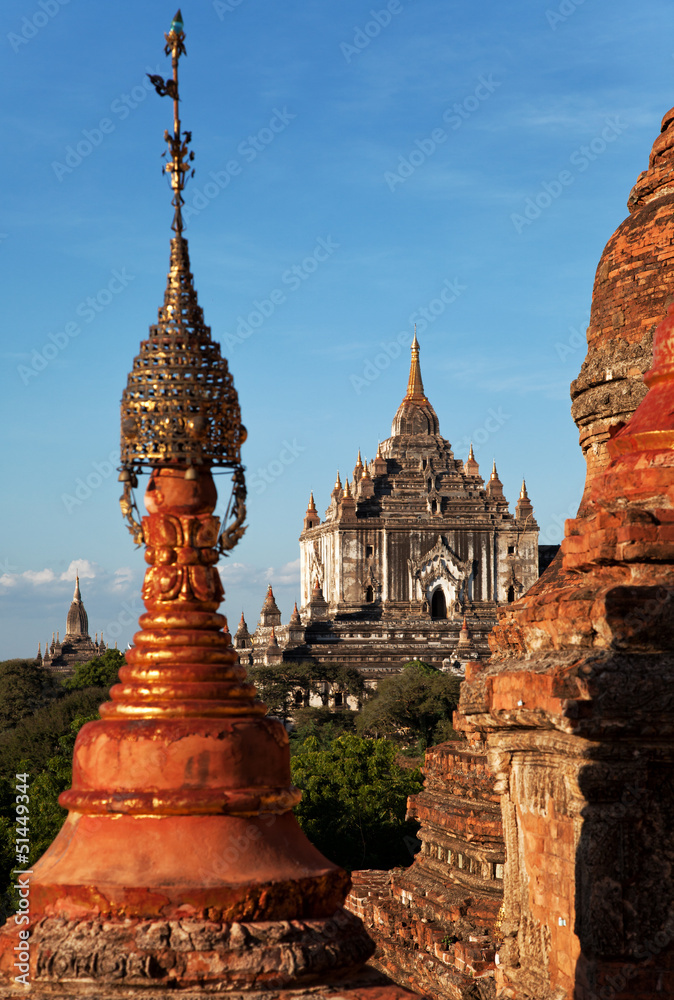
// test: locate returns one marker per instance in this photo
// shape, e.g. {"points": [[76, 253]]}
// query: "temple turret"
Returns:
{"points": [[380, 467], [524, 511], [273, 653], [365, 486], [77, 622], [471, 467], [347, 506], [465, 651], [495, 486], [311, 518], [337, 489], [270, 614], [242, 635], [415, 415], [295, 628]]}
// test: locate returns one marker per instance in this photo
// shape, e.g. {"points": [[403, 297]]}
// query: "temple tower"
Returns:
{"points": [[413, 543], [77, 645]]}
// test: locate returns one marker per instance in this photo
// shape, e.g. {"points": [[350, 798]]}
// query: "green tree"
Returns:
{"points": [[410, 706], [35, 739], [102, 671], [354, 799], [285, 687], [276, 686], [46, 817], [325, 725], [25, 686]]}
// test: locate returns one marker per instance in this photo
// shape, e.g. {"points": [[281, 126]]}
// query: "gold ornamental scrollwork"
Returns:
{"points": [[231, 534], [127, 503]]}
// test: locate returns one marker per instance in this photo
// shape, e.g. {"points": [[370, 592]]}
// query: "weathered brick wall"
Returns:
{"points": [[434, 921], [633, 288]]}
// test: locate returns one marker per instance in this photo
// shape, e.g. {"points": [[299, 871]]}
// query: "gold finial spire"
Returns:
{"points": [[471, 456], [179, 165], [494, 473], [180, 408], [415, 385], [523, 491]]}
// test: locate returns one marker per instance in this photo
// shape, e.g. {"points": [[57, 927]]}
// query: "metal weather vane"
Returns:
{"points": [[180, 408], [178, 166]]}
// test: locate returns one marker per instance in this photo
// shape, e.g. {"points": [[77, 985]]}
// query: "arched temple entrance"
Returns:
{"points": [[438, 604]]}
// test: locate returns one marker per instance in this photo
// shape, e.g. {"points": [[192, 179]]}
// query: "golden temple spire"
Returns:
{"points": [[179, 165], [415, 385], [180, 408]]}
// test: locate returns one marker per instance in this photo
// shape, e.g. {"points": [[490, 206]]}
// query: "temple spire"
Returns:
{"points": [[178, 167], [415, 385], [77, 595]]}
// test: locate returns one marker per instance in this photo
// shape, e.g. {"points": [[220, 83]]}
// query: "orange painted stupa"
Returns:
{"points": [[181, 867], [632, 292]]}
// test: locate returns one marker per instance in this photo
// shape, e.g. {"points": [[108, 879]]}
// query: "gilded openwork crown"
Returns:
{"points": [[179, 406]]}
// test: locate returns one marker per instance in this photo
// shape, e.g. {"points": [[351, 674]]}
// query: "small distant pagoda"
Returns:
{"points": [[77, 645]]}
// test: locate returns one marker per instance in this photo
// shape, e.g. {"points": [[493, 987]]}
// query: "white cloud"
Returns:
{"points": [[243, 575], [39, 576], [122, 578], [7, 580], [84, 568], [287, 575]]}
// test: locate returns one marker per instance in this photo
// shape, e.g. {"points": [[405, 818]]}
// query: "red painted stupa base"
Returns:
{"points": [[180, 865]]}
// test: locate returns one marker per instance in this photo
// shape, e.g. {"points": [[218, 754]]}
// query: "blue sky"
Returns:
{"points": [[413, 142]]}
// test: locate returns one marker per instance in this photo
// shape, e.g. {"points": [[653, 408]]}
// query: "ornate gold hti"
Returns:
{"points": [[180, 408]]}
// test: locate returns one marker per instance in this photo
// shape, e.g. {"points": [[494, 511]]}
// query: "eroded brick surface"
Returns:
{"points": [[434, 922]]}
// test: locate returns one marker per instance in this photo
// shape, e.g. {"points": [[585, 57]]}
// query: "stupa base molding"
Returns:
{"points": [[147, 957], [367, 984]]}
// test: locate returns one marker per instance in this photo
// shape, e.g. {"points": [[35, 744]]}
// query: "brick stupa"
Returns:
{"points": [[574, 711], [577, 703], [181, 870]]}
